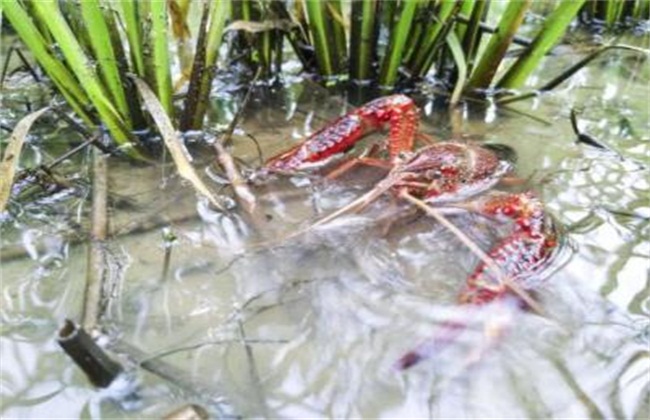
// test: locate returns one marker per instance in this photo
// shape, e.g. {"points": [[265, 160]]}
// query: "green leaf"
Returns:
{"points": [[133, 31], [58, 73], [498, 45], [172, 141], [161, 62], [11, 155], [461, 66], [85, 72], [398, 37], [100, 40], [553, 29]]}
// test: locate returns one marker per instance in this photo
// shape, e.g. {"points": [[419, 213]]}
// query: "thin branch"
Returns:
{"points": [[485, 258], [96, 270]]}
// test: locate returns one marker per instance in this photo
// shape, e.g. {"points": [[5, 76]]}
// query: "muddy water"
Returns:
{"points": [[312, 326]]}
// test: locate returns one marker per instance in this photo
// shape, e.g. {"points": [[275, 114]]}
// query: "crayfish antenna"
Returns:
{"points": [[357, 205]]}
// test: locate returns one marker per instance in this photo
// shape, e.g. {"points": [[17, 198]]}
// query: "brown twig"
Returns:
{"points": [[96, 270], [485, 258]]}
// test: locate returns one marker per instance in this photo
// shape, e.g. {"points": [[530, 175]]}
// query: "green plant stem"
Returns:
{"points": [[85, 72], [434, 37], [39, 47], [316, 11], [161, 55], [100, 40], [336, 28], [362, 39], [498, 45], [553, 29], [472, 35], [132, 26], [399, 35], [219, 13]]}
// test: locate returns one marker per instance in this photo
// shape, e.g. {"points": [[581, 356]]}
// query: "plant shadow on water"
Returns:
{"points": [[313, 325]]}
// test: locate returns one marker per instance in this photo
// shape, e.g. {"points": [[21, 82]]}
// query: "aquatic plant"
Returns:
{"points": [[88, 51], [393, 44], [614, 14]]}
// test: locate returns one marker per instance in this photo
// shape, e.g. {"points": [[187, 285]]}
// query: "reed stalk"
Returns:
{"points": [[327, 36], [160, 59], [363, 38], [495, 51], [105, 57], [396, 44], [219, 12], [434, 37], [133, 28], [315, 12], [553, 29], [472, 33]]}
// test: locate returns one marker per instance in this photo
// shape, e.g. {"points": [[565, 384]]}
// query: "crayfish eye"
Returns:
{"points": [[433, 174], [402, 156]]}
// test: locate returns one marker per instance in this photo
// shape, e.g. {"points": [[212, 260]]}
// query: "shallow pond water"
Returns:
{"points": [[259, 324]]}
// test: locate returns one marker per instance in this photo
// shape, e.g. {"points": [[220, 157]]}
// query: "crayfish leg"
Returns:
{"points": [[399, 112], [521, 256]]}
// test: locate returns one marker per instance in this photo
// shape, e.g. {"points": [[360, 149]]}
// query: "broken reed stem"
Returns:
{"points": [[96, 271], [100, 369], [243, 194], [485, 258]]}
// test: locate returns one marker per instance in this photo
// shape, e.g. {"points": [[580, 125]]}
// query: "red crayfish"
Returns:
{"points": [[442, 175]]}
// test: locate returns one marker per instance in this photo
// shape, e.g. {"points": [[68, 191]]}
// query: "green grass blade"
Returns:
{"points": [[498, 45], [461, 66], [362, 39], [39, 47], [219, 13], [566, 74], [613, 11], [85, 72], [133, 31], [642, 12], [553, 29], [100, 40], [11, 155], [316, 12], [337, 29], [423, 59], [396, 45], [473, 34], [190, 120], [466, 9], [172, 141], [161, 62]]}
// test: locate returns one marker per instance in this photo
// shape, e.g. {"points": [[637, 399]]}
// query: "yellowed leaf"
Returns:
{"points": [[11, 155]]}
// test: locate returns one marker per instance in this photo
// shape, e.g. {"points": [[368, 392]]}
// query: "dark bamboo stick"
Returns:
{"points": [[100, 369]]}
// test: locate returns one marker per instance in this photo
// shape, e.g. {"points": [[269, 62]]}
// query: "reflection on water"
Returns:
{"points": [[312, 326]]}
